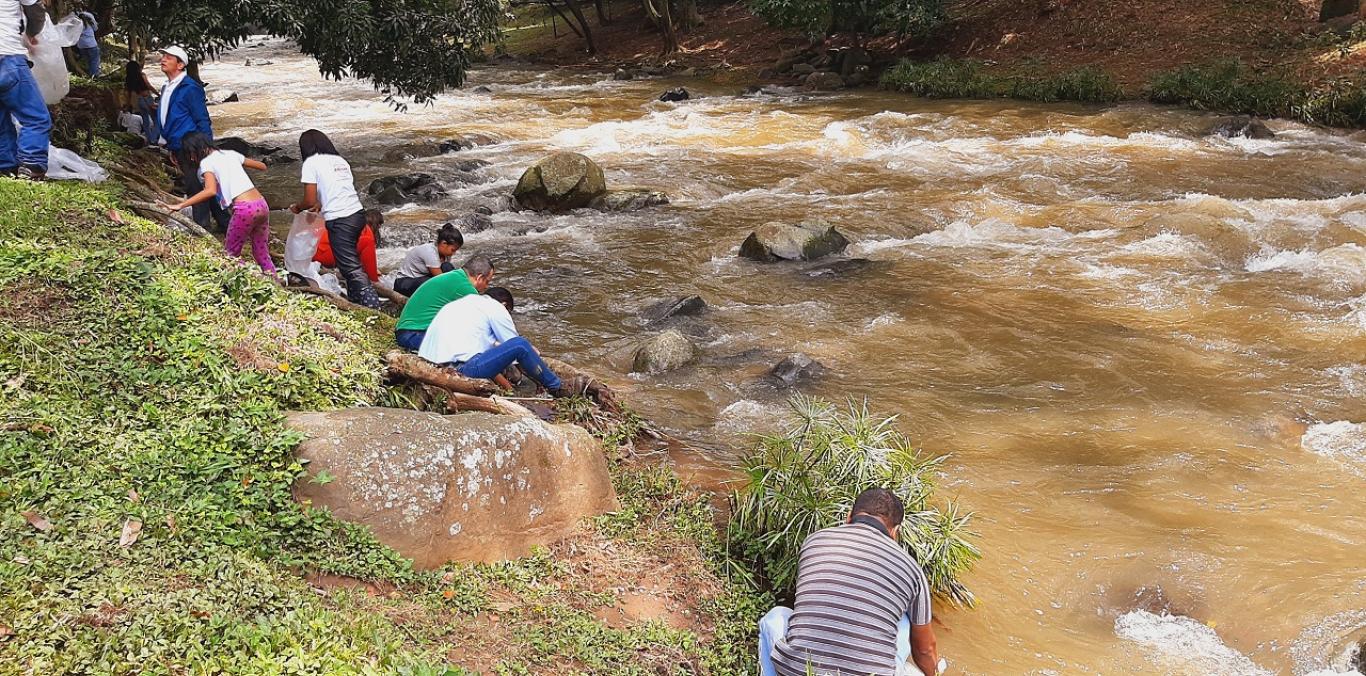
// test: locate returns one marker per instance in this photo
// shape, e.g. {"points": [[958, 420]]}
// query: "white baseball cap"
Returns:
{"points": [[177, 52]]}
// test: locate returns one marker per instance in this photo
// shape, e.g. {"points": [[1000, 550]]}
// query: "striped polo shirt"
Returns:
{"points": [[853, 586]]}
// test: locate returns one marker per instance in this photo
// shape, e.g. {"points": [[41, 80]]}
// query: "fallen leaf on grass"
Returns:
{"points": [[5, 632], [37, 521], [201, 614], [170, 523], [131, 530]]}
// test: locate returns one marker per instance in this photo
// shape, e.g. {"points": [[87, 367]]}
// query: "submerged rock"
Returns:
{"points": [[794, 369], [623, 75], [780, 241], [469, 487], [840, 268], [824, 81], [560, 182], [405, 188], [687, 306], [665, 352], [1241, 125], [472, 222], [270, 155], [629, 200], [482, 89], [675, 94]]}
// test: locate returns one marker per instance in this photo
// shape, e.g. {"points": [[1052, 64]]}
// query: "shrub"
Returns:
{"points": [[818, 18], [1340, 103], [1225, 85], [806, 479], [967, 79]]}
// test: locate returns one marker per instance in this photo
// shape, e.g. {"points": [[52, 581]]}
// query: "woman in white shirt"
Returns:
{"points": [[223, 174], [329, 185]]}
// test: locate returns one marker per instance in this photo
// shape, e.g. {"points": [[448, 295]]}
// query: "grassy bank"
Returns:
{"points": [[146, 522], [1226, 86]]}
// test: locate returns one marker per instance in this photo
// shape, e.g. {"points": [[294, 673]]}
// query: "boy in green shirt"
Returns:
{"points": [[472, 277]]}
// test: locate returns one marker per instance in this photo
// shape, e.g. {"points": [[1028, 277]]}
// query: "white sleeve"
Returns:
{"points": [[500, 322], [309, 172], [28, 2]]}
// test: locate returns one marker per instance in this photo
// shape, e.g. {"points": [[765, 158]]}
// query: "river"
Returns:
{"points": [[1144, 349]]}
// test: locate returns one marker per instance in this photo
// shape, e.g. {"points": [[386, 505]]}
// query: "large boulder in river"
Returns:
{"points": [[665, 352], [824, 81], [780, 241], [1241, 125], [560, 182], [468, 487], [405, 188]]}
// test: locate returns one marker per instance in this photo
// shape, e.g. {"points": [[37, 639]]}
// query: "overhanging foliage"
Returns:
{"points": [[407, 48]]}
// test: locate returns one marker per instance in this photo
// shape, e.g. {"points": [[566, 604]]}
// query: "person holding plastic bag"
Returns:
{"points": [[329, 185], [23, 152], [223, 174]]}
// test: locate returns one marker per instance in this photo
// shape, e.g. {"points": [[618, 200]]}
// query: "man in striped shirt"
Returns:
{"points": [[862, 606]]}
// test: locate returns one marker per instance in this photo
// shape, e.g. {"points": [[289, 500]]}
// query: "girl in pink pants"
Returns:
{"points": [[224, 176]]}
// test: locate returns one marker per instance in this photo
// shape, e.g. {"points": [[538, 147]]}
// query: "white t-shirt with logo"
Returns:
{"points": [[336, 185], [12, 41], [226, 166], [466, 327]]}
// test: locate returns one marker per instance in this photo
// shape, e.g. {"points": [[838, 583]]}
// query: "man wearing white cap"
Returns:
{"points": [[23, 152], [184, 110]]}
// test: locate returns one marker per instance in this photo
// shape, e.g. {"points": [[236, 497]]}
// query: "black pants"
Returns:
{"points": [[189, 181], [407, 285], [343, 233]]}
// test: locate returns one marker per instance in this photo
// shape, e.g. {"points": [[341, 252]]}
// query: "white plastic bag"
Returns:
{"points": [[62, 164], [302, 243], [49, 65]]}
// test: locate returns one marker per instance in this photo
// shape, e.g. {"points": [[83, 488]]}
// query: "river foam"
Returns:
{"points": [[1184, 645]]}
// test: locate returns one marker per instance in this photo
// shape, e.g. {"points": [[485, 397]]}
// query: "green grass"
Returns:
{"points": [[1230, 86], [947, 78], [143, 379]]}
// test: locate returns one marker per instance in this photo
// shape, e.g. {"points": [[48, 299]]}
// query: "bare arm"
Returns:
{"points": [[209, 192], [254, 164], [502, 382], [309, 201], [924, 649], [434, 271]]}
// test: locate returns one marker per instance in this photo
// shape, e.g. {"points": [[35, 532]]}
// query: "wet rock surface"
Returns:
{"points": [[1241, 126], [560, 182], [632, 199], [665, 352], [795, 369], [405, 188], [469, 487], [775, 241], [687, 306]]}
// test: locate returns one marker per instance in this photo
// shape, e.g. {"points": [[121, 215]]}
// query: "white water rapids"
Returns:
{"points": [[1144, 348]]}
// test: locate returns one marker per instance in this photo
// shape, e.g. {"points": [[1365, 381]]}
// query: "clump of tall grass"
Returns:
{"points": [[1226, 85], [806, 478], [947, 78]]}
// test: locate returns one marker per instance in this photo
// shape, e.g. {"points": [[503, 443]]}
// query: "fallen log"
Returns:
{"points": [[584, 383], [457, 402], [330, 297], [156, 213], [417, 369], [391, 295]]}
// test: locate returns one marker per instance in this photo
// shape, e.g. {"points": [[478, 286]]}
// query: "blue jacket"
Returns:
{"points": [[187, 112]]}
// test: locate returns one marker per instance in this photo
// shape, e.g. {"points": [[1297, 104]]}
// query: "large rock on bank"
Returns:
{"points": [[780, 241], [560, 182], [469, 487]]}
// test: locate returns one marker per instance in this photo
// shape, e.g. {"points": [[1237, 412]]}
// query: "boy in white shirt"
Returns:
{"points": [[475, 333]]}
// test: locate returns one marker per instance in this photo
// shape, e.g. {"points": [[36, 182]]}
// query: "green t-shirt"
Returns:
{"points": [[433, 295]]}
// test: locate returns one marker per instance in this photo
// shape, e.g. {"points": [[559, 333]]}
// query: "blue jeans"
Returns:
{"points": [[92, 60], [774, 627], [147, 110], [409, 339], [490, 363], [20, 100]]}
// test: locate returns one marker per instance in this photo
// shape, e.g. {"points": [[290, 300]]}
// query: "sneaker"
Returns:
{"points": [[32, 173], [10, 172]]}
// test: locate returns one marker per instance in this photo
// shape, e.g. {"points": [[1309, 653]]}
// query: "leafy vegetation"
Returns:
{"points": [[146, 520], [969, 78], [1230, 86], [807, 477], [409, 48], [818, 18]]}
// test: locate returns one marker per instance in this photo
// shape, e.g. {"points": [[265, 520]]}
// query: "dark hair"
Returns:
{"points": [[880, 502], [375, 218], [449, 234], [197, 147], [133, 80], [314, 142], [501, 295], [477, 266]]}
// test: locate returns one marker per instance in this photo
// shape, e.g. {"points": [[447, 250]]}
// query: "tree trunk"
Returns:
{"points": [[551, 4], [691, 17], [667, 21], [416, 368], [604, 17], [456, 403], [574, 8]]}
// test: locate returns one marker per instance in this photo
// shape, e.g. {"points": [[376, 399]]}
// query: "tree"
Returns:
{"points": [[820, 18], [406, 48]]}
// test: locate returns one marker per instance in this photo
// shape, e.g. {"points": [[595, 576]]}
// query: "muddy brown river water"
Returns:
{"points": [[1144, 349]]}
